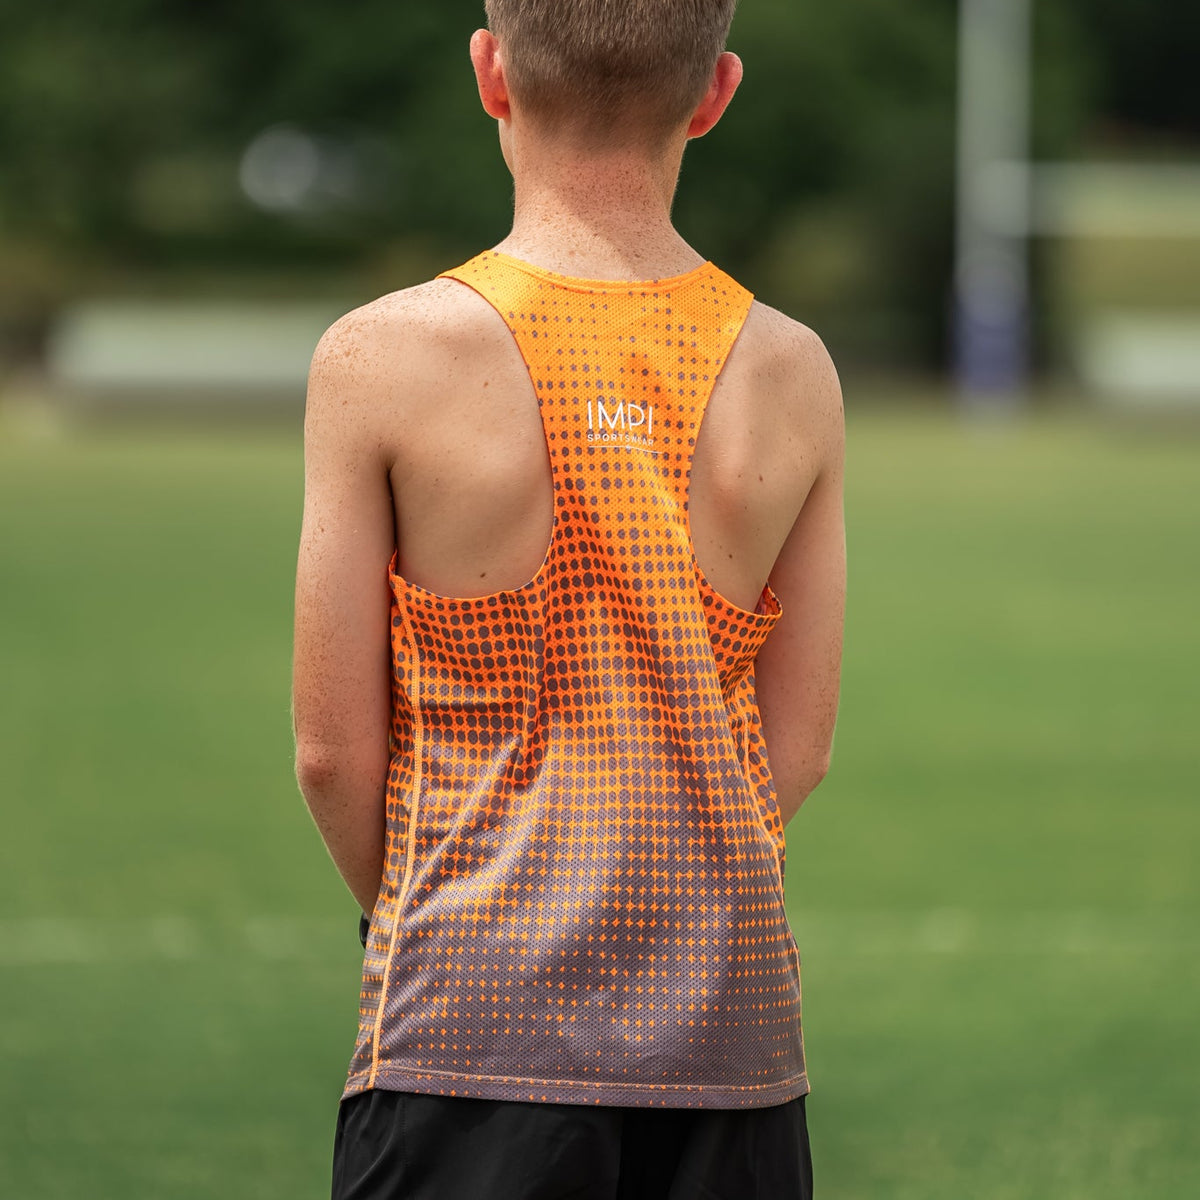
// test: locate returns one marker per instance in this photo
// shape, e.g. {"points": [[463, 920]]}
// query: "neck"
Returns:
{"points": [[599, 215]]}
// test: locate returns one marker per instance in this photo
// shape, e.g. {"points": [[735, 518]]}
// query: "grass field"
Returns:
{"points": [[995, 892]]}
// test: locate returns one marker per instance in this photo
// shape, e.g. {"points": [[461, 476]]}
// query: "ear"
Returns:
{"points": [[489, 74], [727, 74]]}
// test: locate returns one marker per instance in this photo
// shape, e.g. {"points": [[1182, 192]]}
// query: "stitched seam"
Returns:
{"points": [[413, 811], [597, 1085]]}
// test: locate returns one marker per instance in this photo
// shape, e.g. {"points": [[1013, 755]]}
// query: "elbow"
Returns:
{"points": [[317, 770], [327, 771], [820, 766], [812, 768], [802, 783]]}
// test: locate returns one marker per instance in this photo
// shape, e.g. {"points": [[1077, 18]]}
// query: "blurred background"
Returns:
{"points": [[990, 211]]}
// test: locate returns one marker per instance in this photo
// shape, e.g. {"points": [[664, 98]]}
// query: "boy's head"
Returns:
{"points": [[606, 70]]}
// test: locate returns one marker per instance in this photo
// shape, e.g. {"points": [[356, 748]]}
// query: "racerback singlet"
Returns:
{"points": [[582, 898]]}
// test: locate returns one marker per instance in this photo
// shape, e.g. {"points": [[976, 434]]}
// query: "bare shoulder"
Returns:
{"points": [[792, 367], [398, 382], [385, 346]]}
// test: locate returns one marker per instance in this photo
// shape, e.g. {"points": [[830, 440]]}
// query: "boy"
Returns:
{"points": [[572, 561]]}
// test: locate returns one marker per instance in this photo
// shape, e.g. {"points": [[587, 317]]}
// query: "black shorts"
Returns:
{"points": [[399, 1146]]}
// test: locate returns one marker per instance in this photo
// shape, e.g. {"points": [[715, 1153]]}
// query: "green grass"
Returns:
{"points": [[994, 892]]}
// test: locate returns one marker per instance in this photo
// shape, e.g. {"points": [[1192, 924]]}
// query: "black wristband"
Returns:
{"points": [[364, 925]]}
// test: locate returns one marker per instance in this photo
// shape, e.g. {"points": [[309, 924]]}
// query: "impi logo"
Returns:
{"points": [[620, 421]]}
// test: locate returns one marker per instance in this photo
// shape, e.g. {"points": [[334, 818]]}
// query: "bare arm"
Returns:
{"points": [[341, 670], [797, 672]]}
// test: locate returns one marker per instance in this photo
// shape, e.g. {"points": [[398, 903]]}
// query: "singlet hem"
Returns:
{"points": [[610, 1094]]}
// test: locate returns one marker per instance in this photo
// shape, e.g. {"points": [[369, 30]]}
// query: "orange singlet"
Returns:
{"points": [[583, 891]]}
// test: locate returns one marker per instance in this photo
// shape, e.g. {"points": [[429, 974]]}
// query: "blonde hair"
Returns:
{"points": [[610, 70]]}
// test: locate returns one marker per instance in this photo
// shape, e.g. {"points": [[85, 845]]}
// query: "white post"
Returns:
{"points": [[991, 277]]}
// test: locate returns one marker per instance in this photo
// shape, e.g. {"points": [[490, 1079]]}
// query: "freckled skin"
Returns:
{"points": [[422, 435]]}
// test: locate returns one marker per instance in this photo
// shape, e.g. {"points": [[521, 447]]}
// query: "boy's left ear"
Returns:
{"points": [[727, 74], [489, 74]]}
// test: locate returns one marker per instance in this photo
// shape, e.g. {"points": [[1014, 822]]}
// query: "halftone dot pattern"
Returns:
{"points": [[583, 891]]}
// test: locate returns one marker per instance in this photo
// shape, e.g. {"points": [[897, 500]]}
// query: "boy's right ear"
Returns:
{"points": [[489, 74]]}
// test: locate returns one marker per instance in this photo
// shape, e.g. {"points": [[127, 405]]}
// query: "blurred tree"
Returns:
{"points": [[1144, 60], [123, 127]]}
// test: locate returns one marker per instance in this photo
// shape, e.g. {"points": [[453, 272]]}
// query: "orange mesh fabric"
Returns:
{"points": [[583, 900]]}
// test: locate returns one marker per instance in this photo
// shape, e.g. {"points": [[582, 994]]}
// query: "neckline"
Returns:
{"points": [[580, 283]]}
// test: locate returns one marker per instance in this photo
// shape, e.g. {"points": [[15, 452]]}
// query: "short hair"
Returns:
{"points": [[609, 68]]}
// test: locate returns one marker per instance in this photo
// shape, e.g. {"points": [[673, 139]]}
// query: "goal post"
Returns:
{"points": [[991, 269]]}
